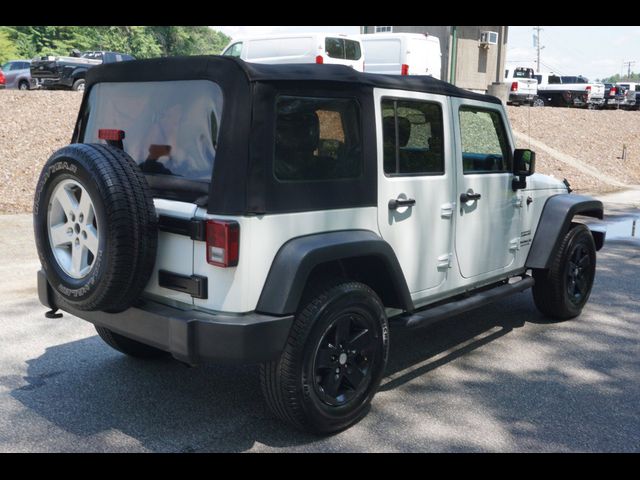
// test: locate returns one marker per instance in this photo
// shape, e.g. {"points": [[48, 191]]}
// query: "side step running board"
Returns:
{"points": [[433, 315]]}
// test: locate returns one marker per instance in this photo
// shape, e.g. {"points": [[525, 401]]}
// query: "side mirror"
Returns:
{"points": [[524, 162], [524, 165]]}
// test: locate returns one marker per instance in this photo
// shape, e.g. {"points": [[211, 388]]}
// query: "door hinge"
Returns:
{"points": [[514, 244], [444, 261], [517, 201], [446, 210]]}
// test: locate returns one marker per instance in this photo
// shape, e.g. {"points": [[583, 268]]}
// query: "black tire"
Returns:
{"points": [[127, 233], [23, 85], [128, 346], [78, 85], [293, 391], [562, 291]]}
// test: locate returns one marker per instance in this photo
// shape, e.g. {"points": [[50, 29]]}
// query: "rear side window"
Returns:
{"points": [[485, 148], [171, 128], [413, 137], [317, 139], [553, 79], [342, 48]]}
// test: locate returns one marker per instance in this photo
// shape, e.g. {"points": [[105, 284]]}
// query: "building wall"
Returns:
{"points": [[476, 67]]}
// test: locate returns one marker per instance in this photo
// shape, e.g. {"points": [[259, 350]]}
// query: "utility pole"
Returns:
{"points": [[628, 64], [537, 45]]}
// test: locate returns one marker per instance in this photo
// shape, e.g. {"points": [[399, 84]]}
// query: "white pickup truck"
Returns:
{"points": [[523, 85], [569, 91]]}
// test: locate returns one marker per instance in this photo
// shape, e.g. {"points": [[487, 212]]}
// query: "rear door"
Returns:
{"points": [[488, 213], [343, 51], [383, 55], [415, 185]]}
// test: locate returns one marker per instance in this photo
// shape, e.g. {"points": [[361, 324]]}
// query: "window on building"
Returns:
{"points": [[383, 29]]}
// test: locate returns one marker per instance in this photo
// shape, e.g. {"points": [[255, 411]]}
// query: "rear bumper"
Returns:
{"points": [[191, 336], [521, 97]]}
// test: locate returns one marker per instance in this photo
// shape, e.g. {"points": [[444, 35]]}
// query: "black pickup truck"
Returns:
{"points": [[68, 73]]}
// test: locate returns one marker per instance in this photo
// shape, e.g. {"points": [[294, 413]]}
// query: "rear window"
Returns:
{"points": [[342, 48], [171, 128], [317, 139]]}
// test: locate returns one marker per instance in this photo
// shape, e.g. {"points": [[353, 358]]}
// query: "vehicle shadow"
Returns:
{"points": [[88, 390]]}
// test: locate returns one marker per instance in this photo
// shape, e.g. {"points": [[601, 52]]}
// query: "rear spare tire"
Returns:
{"points": [[95, 227]]}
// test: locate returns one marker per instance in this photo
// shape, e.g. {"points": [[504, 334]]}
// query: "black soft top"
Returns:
{"points": [[216, 68]]}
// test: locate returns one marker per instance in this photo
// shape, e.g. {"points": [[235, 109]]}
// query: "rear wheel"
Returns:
{"points": [[333, 362], [128, 346], [23, 85], [562, 291], [538, 102], [78, 85]]}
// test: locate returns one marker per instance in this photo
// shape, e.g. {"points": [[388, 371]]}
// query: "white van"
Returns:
{"points": [[299, 48], [402, 54]]}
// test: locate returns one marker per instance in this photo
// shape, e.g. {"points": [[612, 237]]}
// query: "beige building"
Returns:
{"points": [[467, 61]]}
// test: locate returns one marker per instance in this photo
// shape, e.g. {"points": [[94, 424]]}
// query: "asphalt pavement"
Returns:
{"points": [[501, 378]]}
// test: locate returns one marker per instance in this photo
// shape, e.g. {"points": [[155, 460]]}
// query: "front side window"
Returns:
{"points": [[234, 50], [171, 128], [317, 139], [413, 137], [485, 148], [553, 79]]}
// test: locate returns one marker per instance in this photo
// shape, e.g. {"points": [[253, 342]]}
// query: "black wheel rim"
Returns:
{"points": [[579, 274], [344, 359]]}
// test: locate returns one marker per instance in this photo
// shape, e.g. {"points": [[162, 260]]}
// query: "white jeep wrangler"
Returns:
{"points": [[285, 215]]}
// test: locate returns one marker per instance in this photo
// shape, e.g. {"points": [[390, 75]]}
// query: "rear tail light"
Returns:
{"points": [[319, 59], [111, 135], [223, 243], [405, 69], [613, 91], [514, 86], [2, 79], [588, 89]]}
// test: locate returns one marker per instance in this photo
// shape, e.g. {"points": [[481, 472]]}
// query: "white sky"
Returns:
{"points": [[594, 52]]}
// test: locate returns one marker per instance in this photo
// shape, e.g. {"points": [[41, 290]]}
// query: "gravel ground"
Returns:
{"points": [[36, 123], [595, 137]]}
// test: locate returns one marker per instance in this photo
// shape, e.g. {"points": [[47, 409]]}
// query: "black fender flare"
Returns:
{"points": [[296, 259], [78, 73], [555, 222]]}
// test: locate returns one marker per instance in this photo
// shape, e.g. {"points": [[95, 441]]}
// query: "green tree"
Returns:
{"points": [[189, 40], [8, 48]]}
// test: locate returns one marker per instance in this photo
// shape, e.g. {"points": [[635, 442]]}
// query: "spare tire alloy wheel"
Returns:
{"points": [[73, 228], [95, 228]]}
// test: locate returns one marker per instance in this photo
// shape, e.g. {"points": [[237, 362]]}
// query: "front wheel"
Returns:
{"points": [[563, 290], [333, 362]]}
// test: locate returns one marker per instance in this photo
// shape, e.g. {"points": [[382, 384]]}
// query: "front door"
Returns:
{"points": [[488, 213], [415, 184]]}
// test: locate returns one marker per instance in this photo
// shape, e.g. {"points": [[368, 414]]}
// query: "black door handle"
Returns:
{"points": [[395, 203], [466, 197]]}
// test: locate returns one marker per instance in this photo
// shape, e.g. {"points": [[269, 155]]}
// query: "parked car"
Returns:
{"points": [[17, 74], [286, 215], [523, 88], [569, 91], [402, 54], [68, 73], [631, 97], [322, 48]]}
